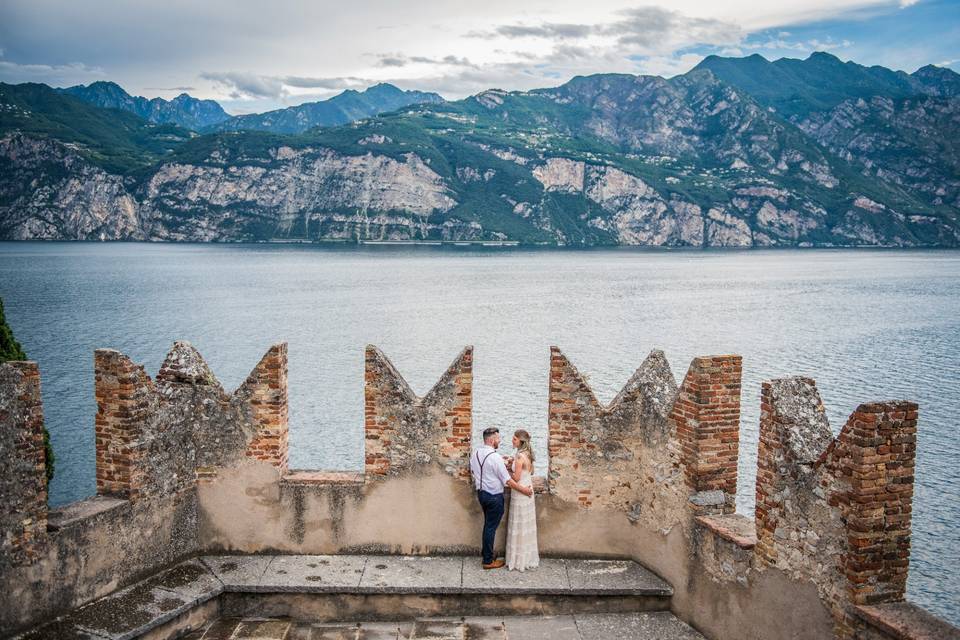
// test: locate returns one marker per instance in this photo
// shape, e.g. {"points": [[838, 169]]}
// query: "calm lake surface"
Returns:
{"points": [[867, 325]]}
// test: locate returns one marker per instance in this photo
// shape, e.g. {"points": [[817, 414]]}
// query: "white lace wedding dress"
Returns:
{"points": [[522, 551]]}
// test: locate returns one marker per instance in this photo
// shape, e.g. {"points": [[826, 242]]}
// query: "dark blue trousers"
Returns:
{"points": [[492, 505]]}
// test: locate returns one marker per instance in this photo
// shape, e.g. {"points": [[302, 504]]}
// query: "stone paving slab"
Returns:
{"points": [[221, 629], [238, 573], [542, 628], [262, 630], [437, 629], [549, 578], [412, 574], [431, 574], [659, 625], [628, 626], [385, 631], [317, 574], [621, 577], [192, 580], [484, 627], [355, 631], [335, 632]]}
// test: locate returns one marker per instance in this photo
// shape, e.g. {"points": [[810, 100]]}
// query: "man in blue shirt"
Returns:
{"points": [[490, 476]]}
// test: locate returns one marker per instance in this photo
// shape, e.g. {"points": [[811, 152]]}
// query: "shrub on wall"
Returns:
{"points": [[10, 350]]}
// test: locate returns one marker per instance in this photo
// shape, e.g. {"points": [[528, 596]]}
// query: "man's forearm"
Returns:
{"points": [[518, 487]]}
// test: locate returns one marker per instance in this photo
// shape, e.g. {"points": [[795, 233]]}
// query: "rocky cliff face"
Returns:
{"points": [[54, 193], [608, 159], [313, 193]]}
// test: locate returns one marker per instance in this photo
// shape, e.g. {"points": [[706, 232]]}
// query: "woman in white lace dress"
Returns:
{"points": [[522, 550]]}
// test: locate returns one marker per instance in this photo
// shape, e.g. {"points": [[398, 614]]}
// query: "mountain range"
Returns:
{"points": [[184, 110], [207, 115], [736, 152]]}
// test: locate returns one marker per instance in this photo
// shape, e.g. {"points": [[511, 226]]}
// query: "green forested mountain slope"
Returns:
{"points": [[714, 157]]}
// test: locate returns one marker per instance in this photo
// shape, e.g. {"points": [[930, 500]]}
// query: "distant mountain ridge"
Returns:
{"points": [[207, 115], [822, 81], [184, 110], [343, 108], [736, 152]]}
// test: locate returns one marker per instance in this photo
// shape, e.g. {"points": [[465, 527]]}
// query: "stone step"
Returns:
{"points": [[353, 587], [659, 625], [431, 575]]}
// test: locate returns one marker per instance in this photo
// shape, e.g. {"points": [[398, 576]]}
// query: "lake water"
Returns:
{"points": [[867, 325]]}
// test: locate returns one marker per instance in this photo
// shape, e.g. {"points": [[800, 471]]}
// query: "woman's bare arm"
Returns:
{"points": [[517, 468]]}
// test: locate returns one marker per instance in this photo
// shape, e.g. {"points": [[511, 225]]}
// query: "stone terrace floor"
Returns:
{"points": [[429, 574], [659, 625], [238, 584]]}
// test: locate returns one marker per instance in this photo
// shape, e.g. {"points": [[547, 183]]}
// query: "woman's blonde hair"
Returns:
{"points": [[524, 447]]}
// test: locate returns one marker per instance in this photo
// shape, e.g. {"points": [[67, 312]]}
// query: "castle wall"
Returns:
{"points": [[184, 467], [153, 439], [23, 483]]}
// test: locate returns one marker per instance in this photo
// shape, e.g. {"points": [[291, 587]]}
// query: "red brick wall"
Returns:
{"points": [[875, 452], [570, 402], [707, 418], [24, 512], [124, 396], [457, 423], [267, 388], [392, 409], [836, 510]]}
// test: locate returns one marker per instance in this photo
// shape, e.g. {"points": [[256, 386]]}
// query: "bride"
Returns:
{"points": [[522, 551]]}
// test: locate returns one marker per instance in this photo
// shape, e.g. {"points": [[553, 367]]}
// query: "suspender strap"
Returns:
{"points": [[482, 462]]}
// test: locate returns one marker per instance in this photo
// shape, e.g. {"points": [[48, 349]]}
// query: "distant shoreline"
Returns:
{"points": [[487, 244]]}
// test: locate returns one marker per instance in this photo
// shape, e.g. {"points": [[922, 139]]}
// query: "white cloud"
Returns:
{"points": [[246, 85], [52, 74], [326, 46], [814, 44]]}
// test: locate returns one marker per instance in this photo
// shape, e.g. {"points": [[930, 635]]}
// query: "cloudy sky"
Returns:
{"points": [[254, 56]]}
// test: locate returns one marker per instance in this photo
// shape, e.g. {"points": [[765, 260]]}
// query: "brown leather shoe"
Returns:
{"points": [[496, 564]]}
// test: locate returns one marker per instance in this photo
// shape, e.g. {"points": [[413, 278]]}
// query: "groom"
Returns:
{"points": [[490, 476]]}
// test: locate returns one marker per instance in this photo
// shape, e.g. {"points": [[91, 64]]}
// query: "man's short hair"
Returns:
{"points": [[489, 431]]}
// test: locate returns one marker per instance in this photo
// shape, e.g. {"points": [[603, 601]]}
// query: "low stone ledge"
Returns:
{"points": [[304, 476], [906, 621], [136, 610], [82, 510], [371, 574], [735, 528], [156, 601]]}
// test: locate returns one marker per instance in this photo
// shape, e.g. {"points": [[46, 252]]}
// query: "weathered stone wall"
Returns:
{"points": [[153, 436], [836, 511], [831, 513], [153, 440], [403, 432], [637, 453], [23, 482], [617, 458], [650, 476]]}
